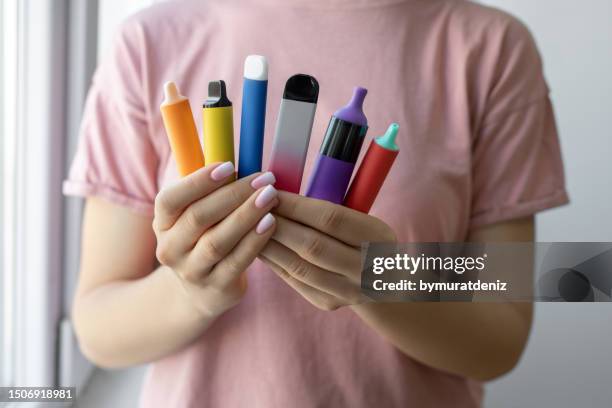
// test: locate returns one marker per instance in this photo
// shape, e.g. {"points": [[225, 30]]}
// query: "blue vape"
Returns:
{"points": [[253, 118]]}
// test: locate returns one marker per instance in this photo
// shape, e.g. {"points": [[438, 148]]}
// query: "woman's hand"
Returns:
{"points": [[316, 249], [209, 230]]}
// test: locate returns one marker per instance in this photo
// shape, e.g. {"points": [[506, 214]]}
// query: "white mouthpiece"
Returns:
{"points": [[172, 93], [256, 67]]}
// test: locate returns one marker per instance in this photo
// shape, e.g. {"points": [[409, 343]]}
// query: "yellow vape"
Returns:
{"points": [[218, 125]]}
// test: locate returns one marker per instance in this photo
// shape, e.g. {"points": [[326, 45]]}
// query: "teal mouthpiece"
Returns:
{"points": [[387, 140]]}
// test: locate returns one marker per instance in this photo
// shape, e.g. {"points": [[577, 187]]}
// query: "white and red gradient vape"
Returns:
{"points": [[293, 128]]}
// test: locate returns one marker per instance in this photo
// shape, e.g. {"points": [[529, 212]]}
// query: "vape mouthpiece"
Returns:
{"points": [[359, 95], [217, 95], [353, 111], [388, 139], [301, 87], [256, 68], [172, 93]]}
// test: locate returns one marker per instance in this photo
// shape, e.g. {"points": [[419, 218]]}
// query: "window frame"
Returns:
{"points": [[8, 120], [40, 228], [36, 203], [34, 135]]}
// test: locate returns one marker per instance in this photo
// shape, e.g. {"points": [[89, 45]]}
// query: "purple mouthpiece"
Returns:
{"points": [[353, 111]]}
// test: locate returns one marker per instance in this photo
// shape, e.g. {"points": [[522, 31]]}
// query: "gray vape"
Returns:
{"points": [[293, 128]]}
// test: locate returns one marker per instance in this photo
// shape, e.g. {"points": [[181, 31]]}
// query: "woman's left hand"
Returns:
{"points": [[316, 249]]}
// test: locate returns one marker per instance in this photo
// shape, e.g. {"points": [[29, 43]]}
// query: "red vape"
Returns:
{"points": [[373, 170]]}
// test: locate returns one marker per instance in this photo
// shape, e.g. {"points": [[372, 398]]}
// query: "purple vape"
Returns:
{"points": [[339, 151]]}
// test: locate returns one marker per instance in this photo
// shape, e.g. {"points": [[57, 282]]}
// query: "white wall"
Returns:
{"points": [[568, 362]]}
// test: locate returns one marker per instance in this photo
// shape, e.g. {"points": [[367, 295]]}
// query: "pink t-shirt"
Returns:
{"points": [[478, 146]]}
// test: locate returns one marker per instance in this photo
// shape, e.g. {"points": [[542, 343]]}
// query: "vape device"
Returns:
{"points": [[372, 171], [339, 151], [182, 133], [293, 128], [253, 117], [218, 125]]}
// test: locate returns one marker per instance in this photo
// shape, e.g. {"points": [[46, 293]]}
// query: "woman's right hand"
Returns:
{"points": [[209, 230]]}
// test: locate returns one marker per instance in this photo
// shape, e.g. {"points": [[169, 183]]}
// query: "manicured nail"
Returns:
{"points": [[266, 195], [265, 223], [263, 180], [222, 171]]}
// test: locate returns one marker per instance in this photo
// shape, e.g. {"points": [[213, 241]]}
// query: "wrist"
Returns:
{"points": [[191, 299]]}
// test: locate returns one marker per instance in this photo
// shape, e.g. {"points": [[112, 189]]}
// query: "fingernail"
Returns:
{"points": [[263, 180], [265, 196], [265, 223], [222, 171]]}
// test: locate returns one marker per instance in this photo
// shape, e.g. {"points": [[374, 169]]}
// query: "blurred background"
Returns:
{"points": [[49, 50]]}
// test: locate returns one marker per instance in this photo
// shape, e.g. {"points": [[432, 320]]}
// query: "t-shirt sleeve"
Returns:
{"points": [[115, 157], [516, 159]]}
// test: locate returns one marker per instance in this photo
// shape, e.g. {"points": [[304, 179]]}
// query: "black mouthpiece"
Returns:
{"points": [[302, 87], [217, 95]]}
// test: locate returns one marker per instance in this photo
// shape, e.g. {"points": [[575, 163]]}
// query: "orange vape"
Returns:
{"points": [[181, 130]]}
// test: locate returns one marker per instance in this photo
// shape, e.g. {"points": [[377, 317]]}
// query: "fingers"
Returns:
{"points": [[345, 224], [298, 269], [219, 241], [209, 210], [171, 201], [239, 259], [318, 298], [319, 249]]}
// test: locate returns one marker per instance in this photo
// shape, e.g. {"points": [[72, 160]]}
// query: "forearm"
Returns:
{"points": [[480, 341], [136, 321]]}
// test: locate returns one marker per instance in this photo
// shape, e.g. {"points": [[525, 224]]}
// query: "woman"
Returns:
{"points": [[251, 309]]}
